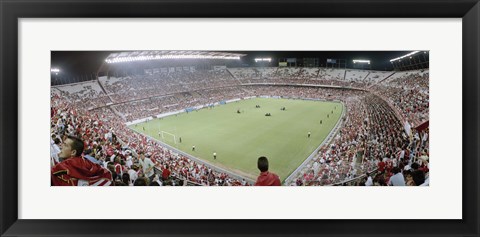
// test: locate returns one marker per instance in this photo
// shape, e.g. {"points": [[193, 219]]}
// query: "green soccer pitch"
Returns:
{"points": [[239, 139]]}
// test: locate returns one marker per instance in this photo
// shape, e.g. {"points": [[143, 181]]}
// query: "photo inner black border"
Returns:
{"points": [[11, 11]]}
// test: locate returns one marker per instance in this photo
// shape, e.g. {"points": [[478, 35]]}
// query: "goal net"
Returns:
{"points": [[166, 135]]}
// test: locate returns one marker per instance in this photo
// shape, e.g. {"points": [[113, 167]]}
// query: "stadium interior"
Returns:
{"points": [[384, 129]]}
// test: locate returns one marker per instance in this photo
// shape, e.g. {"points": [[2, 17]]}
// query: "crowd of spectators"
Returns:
{"points": [[157, 105], [409, 93], [312, 76], [371, 138], [335, 161], [174, 102], [164, 83], [253, 73], [86, 95], [108, 140], [147, 107]]}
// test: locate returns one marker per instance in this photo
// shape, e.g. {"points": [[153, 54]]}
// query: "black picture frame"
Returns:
{"points": [[11, 11]]}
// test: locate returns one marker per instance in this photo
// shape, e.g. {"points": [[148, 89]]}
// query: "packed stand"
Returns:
{"points": [[409, 93], [371, 141], [87, 94], [311, 76], [110, 144], [164, 83]]}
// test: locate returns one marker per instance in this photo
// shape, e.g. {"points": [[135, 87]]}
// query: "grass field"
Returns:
{"points": [[239, 139]]}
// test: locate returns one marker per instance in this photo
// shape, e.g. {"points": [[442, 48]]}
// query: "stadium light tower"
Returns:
{"points": [[263, 60], [54, 78], [361, 63], [55, 70]]}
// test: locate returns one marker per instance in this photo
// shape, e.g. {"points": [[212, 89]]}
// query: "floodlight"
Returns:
{"points": [[361, 61], [56, 70], [263, 60], [404, 56]]}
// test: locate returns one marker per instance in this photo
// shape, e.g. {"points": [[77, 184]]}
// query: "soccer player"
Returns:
{"points": [[321, 121], [214, 155], [193, 148], [308, 134]]}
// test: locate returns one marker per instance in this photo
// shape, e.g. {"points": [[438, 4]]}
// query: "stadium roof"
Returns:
{"points": [[131, 56]]}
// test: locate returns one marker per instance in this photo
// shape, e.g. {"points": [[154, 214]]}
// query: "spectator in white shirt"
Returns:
{"points": [[397, 179]]}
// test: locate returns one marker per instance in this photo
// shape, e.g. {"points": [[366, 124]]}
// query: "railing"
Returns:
{"points": [[356, 179]]}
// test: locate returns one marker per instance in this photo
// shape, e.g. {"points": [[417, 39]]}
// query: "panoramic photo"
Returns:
{"points": [[239, 118]]}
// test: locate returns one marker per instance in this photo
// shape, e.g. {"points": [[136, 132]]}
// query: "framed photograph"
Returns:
{"points": [[181, 93]]}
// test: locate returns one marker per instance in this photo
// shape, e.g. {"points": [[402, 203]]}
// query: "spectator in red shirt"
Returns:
{"points": [[75, 170], [266, 178], [381, 166], [165, 173]]}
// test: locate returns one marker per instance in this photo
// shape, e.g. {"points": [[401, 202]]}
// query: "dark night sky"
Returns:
{"points": [[78, 62], [88, 62]]}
